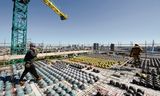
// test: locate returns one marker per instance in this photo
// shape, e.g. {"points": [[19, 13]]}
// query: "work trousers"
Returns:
{"points": [[137, 60], [32, 70]]}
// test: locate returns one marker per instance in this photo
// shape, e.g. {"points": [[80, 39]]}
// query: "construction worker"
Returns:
{"points": [[135, 53], [29, 66]]}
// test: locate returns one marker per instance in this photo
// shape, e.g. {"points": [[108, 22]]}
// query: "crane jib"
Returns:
{"points": [[55, 9]]}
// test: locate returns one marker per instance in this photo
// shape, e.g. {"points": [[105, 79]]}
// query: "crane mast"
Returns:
{"points": [[19, 27], [19, 24]]}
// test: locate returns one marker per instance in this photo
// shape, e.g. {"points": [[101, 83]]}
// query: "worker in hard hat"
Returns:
{"points": [[29, 66], [135, 53]]}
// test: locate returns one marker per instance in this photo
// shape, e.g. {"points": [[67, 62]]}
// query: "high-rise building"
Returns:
{"points": [[112, 47], [95, 46]]}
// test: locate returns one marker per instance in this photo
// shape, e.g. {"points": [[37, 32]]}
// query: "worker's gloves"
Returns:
{"points": [[28, 65]]}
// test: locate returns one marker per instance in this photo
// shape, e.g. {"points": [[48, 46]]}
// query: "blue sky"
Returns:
{"points": [[102, 21]]}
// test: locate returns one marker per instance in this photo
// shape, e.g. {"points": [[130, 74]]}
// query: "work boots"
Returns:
{"points": [[22, 82]]}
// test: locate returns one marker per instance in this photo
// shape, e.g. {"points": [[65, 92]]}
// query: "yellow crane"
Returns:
{"points": [[55, 9]]}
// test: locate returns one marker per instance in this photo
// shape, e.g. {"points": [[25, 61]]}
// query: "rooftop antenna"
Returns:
{"points": [[117, 44], [153, 47], [131, 44], [145, 50]]}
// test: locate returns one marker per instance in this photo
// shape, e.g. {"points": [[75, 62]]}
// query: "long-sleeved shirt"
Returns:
{"points": [[135, 51], [30, 55]]}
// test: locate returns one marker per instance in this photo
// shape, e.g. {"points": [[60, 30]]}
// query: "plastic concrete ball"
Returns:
{"points": [[74, 87], [60, 84], [50, 82], [52, 92], [72, 93], [63, 93], [48, 90], [97, 77], [73, 81], [76, 81], [61, 78], [83, 86], [54, 74], [80, 83], [70, 80], [81, 79], [65, 76], [55, 94], [68, 89], [88, 79], [44, 85], [71, 74], [56, 80], [91, 77], [84, 77], [63, 86], [66, 95], [55, 87], [70, 77], [91, 81], [59, 90], [85, 81]]}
